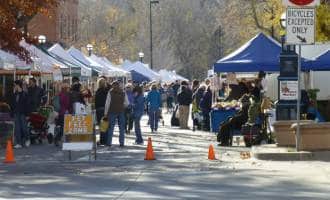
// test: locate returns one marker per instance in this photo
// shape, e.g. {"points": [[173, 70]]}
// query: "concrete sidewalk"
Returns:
{"points": [[181, 171]]}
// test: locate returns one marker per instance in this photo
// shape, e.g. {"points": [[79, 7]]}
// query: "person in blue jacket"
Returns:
{"points": [[138, 110], [154, 102]]}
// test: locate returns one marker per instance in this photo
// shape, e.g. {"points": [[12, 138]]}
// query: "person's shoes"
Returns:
{"points": [[17, 146], [121, 145]]}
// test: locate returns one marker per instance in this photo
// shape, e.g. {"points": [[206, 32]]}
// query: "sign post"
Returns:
{"points": [[300, 30], [300, 26]]}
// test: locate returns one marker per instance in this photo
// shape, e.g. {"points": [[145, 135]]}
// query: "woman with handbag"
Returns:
{"points": [[138, 109], [100, 98]]}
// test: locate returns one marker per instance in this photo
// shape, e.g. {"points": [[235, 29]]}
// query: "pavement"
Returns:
{"points": [[181, 171]]}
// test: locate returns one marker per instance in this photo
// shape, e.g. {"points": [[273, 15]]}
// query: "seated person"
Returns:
{"points": [[235, 123]]}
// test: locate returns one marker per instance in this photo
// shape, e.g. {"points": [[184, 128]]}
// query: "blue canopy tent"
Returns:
{"points": [[138, 77], [320, 63], [261, 53]]}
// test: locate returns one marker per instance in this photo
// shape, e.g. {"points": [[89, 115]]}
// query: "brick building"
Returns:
{"points": [[60, 26]]}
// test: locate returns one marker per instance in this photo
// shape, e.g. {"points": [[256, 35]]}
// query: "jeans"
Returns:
{"points": [[153, 120], [121, 123], [21, 129], [129, 119], [137, 128]]}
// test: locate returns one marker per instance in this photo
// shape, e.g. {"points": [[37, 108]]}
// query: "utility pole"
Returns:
{"points": [[150, 22]]}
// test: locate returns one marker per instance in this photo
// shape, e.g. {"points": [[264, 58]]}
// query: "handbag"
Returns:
{"points": [[104, 125]]}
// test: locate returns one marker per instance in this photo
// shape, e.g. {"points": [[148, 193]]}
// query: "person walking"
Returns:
{"points": [[154, 102], [138, 109], [184, 99], [20, 110], [115, 106]]}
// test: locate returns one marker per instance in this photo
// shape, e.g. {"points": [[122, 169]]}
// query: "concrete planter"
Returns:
{"points": [[314, 137], [284, 134]]}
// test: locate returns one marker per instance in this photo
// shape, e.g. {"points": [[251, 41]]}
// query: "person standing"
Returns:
{"points": [[65, 108], [138, 109], [129, 109], [184, 99], [35, 94], [176, 87], [100, 99], [115, 106], [206, 106], [20, 110], [154, 102]]}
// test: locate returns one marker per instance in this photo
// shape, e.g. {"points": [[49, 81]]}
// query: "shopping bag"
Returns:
{"points": [[104, 125]]}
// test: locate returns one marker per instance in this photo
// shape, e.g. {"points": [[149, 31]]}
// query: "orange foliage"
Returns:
{"points": [[15, 14]]}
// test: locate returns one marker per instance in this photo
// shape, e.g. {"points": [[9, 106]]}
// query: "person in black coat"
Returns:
{"points": [[235, 123], [35, 94], [184, 99], [20, 110], [206, 106], [100, 98]]}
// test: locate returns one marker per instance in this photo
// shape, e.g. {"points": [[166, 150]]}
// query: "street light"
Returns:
{"points": [[150, 22], [89, 49], [141, 56], [42, 39]]}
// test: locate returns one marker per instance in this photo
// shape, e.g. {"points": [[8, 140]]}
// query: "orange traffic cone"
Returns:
{"points": [[150, 152], [211, 153], [9, 153]]}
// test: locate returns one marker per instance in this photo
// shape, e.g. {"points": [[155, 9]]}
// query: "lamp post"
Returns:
{"points": [[141, 56], [89, 49], [42, 39], [150, 22]]}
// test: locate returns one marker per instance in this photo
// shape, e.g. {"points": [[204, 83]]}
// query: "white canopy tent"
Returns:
{"points": [[44, 62], [170, 76], [58, 51], [9, 61], [143, 69], [108, 69]]}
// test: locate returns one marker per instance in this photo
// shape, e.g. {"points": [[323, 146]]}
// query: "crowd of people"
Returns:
{"points": [[114, 103]]}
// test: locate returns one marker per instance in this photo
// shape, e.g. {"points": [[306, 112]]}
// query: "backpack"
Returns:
{"points": [[56, 103]]}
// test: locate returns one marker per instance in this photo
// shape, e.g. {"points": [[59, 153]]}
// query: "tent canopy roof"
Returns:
{"points": [[143, 69], [260, 53]]}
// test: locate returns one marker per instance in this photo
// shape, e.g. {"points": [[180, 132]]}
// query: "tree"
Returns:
{"points": [[14, 15], [323, 22]]}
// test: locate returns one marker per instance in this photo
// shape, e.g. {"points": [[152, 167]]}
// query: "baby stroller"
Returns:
{"points": [[38, 126]]}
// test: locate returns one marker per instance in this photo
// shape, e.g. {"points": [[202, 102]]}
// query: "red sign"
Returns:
{"points": [[301, 2]]}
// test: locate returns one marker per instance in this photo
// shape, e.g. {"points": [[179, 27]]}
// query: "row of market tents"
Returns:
{"points": [[72, 62], [262, 53]]}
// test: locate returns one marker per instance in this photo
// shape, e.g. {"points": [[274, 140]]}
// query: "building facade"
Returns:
{"points": [[60, 26]]}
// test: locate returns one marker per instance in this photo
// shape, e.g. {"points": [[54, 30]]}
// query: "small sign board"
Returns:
{"points": [[288, 90], [78, 132], [310, 3], [300, 25]]}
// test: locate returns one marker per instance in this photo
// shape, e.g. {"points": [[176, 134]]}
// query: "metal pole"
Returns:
{"points": [[298, 101], [150, 21]]}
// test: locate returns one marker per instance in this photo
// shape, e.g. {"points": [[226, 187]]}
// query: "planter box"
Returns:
{"points": [[314, 137], [284, 134]]}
